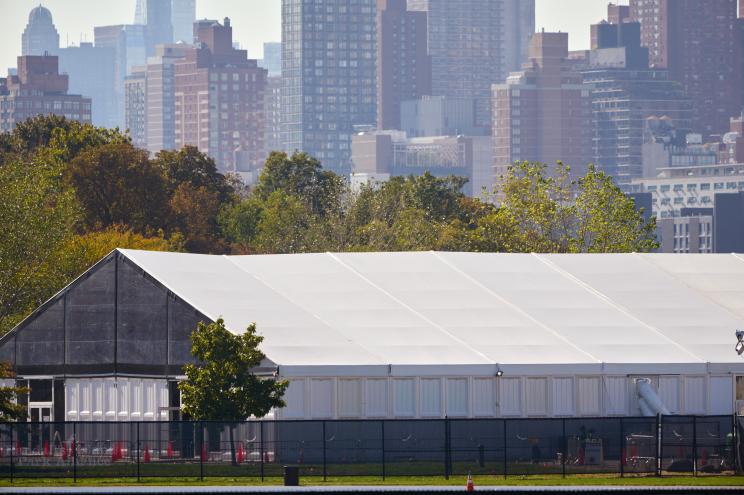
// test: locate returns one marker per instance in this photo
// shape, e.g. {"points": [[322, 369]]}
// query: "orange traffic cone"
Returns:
{"points": [[147, 454], [46, 449], [64, 451], [170, 449], [470, 486], [241, 453]]}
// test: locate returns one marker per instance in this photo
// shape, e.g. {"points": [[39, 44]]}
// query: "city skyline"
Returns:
{"points": [[255, 21]]}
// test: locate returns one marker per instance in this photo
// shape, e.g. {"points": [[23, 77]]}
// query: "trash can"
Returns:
{"points": [[291, 476]]}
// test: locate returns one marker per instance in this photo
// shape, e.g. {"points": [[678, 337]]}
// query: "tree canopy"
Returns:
{"points": [[223, 386]]}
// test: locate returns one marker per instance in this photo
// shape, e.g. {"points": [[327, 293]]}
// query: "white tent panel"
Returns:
{"points": [[590, 403], [616, 395], [457, 397], [321, 398], [350, 398], [536, 394], [695, 398], [563, 396], [295, 400], [377, 398], [404, 398], [721, 395], [431, 397], [379, 314], [510, 396], [669, 393], [484, 398]]}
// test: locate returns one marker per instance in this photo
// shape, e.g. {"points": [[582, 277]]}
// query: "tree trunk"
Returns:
{"points": [[231, 427]]}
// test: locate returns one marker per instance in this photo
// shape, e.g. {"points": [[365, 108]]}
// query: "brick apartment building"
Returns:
{"points": [[39, 89], [219, 99]]}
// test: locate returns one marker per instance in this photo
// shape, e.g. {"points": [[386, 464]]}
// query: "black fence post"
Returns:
{"points": [[261, 449], [382, 430], [694, 446], [659, 442], [202, 450], [446, 448], [12, 448], [325, 464], [137, 425], [564, 447], [74, 452], [622, 446], [506, 473], [735, 451]]}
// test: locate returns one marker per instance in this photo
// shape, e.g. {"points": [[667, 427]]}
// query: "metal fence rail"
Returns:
{"points": [[694, 445]]}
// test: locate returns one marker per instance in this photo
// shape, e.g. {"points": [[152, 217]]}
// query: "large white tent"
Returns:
{"points": [[429, 334]]}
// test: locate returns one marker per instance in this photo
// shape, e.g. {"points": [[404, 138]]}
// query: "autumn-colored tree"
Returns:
{"points": [[117, 184], [195, 211], [191, 167]]}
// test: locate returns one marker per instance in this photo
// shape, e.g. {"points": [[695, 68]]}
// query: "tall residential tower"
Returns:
{"points": [[329, 52], [474, 44], [698, 41]]}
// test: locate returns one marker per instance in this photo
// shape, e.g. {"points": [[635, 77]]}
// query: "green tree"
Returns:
{"points": [[239, 223], [10, 408], [194, 168], [223, 386], [117, 184], [284, 225], [549, 212], [303, 177], [37, 214]]}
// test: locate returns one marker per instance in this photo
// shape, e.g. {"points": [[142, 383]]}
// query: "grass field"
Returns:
{"points": [[588, 480]]}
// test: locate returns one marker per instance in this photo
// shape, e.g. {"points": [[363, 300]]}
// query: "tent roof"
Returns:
{"points": [[368, 314]]}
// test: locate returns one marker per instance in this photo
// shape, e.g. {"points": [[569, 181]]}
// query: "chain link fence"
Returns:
{"points": [[699, 445]]}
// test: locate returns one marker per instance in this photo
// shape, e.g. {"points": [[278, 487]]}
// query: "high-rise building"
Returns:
{"points": [[625, 93], [219, 100], [157, 17], [618, 14], [135, 112], [38, 89], [160, 97], [129, 46], [697, 41], [272, 60], [273, 115], [474, 44], [40, 36], [91, 71], [183, 16], [541, 114], [403, 62], [329, 67]]}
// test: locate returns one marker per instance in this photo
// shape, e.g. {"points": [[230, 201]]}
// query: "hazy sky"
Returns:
{"points": [[254, 21]]}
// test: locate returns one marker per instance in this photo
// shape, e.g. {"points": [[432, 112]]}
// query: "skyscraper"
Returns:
{"points": [[697, 40], [474, 44], [92, 72], [135, 114], [40, 35], [541, 113], [183, 16], [329, 76], [129, 46], [159, 29], [403, 62], [625, 94], [219, 100], [160, 97], [272, 60], [38, 89]]}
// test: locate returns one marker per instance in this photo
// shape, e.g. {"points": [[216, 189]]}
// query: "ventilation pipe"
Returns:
{"points": [[648, 399]]}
